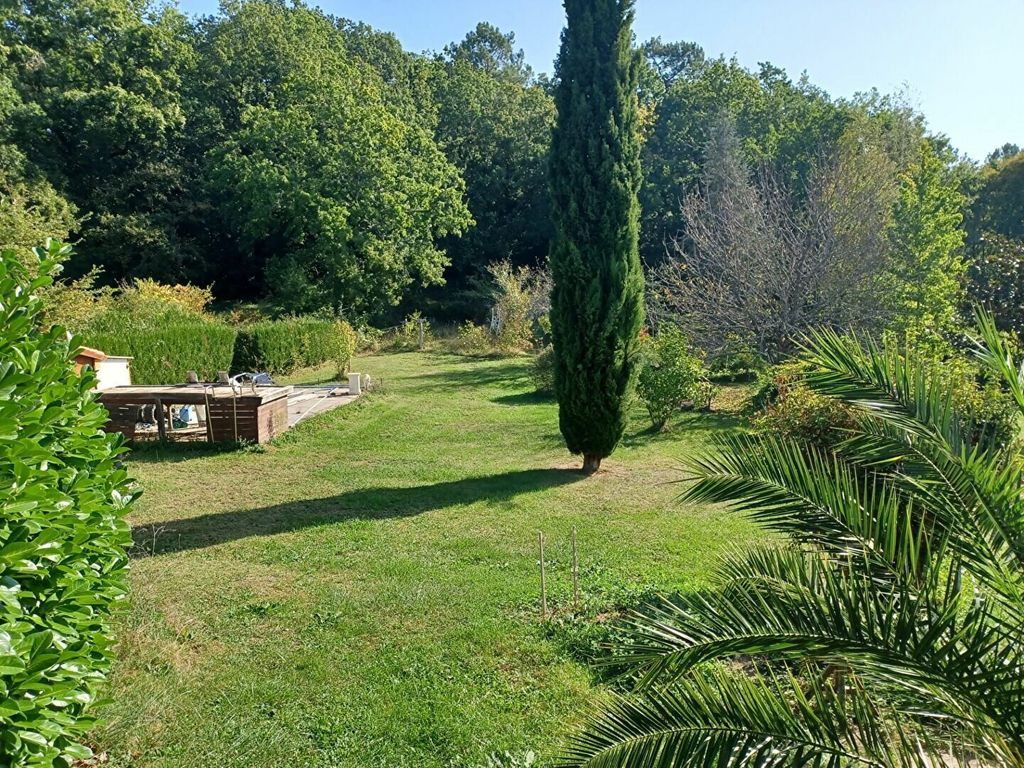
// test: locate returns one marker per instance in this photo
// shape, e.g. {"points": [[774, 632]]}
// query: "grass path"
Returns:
{"points": [[364, 591]]}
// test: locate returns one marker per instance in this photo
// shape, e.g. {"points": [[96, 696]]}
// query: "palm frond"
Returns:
{"points": [[902, 581], [981, 507], [970, 490], [814, 497], [992, 351], [953, 658], [721, 718], [884, 383], [970, 499]]}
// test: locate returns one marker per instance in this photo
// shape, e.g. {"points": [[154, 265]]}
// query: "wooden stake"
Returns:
{"points": [[420, 334], [543, 581], [209, 424], [575, 574]]}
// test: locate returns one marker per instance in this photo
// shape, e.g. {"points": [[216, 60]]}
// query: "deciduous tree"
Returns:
{"points": [[924, 283], [763, 263], [103, 80], [328, 192], [494, 125]]}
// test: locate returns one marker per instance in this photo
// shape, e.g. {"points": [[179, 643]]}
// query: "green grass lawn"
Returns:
{"points": [[364, 592]]}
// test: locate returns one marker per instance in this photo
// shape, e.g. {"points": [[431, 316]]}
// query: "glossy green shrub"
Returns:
{"points": [[62, 533], [671, 376], [164, 354]]}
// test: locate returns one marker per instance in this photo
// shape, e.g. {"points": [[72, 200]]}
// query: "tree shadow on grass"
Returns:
{"points": [[526, 398], [365, 504], [693, 423], [173, 451], [507, 375]]}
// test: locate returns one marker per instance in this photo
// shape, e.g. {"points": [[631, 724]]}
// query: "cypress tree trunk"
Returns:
{"points": [[597, 300]]}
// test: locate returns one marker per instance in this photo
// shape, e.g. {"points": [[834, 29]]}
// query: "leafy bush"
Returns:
{"points": [[671, 376], [369, 339], [516, 292], [408, 333], [544, 371], [165, 354], [786, 407], [281, 346], [147, 298], [76, 304], [974, 391], [329, 341], [472, 339], [62, 536], [737, 360], [88, 309], [702, 395], [404, 337], [520, 312]]}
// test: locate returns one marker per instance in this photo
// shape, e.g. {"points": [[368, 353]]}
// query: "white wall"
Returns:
{"points": [[113, 372]]}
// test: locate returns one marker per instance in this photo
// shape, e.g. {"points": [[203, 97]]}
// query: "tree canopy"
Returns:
{"points": [[283, 154], [334, 198], [494, 125]]}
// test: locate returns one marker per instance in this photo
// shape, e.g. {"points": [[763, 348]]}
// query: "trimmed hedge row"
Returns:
{"points": [[281, 346], [165, 355], [62, 533]]}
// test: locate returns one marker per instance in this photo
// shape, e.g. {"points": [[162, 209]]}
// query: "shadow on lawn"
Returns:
{"points": [[526, 398], [364, 504], [172, 451], [691, 424], [505, 376]]}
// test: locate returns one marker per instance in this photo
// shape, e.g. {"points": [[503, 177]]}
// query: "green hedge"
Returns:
{"points": [[165, 355], [62, 533], [281, 346]]}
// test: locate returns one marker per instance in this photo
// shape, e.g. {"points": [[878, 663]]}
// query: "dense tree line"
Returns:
{"points": [[279, 153]]}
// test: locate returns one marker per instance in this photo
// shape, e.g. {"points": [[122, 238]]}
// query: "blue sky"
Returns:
{"points": [[960, 61]]}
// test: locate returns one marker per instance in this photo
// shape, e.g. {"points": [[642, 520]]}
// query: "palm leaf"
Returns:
{"points": [[721, 718], [902, 582], [794, 605], [882, 382], [814, 497], [992, 351]]}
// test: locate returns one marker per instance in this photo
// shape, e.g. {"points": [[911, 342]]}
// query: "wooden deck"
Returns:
{"points": [[310, 401], [256, 414], [191, 394], [253, 414]]}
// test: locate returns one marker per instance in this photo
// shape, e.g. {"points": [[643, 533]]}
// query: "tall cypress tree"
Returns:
{"points": [[597, 302]]}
